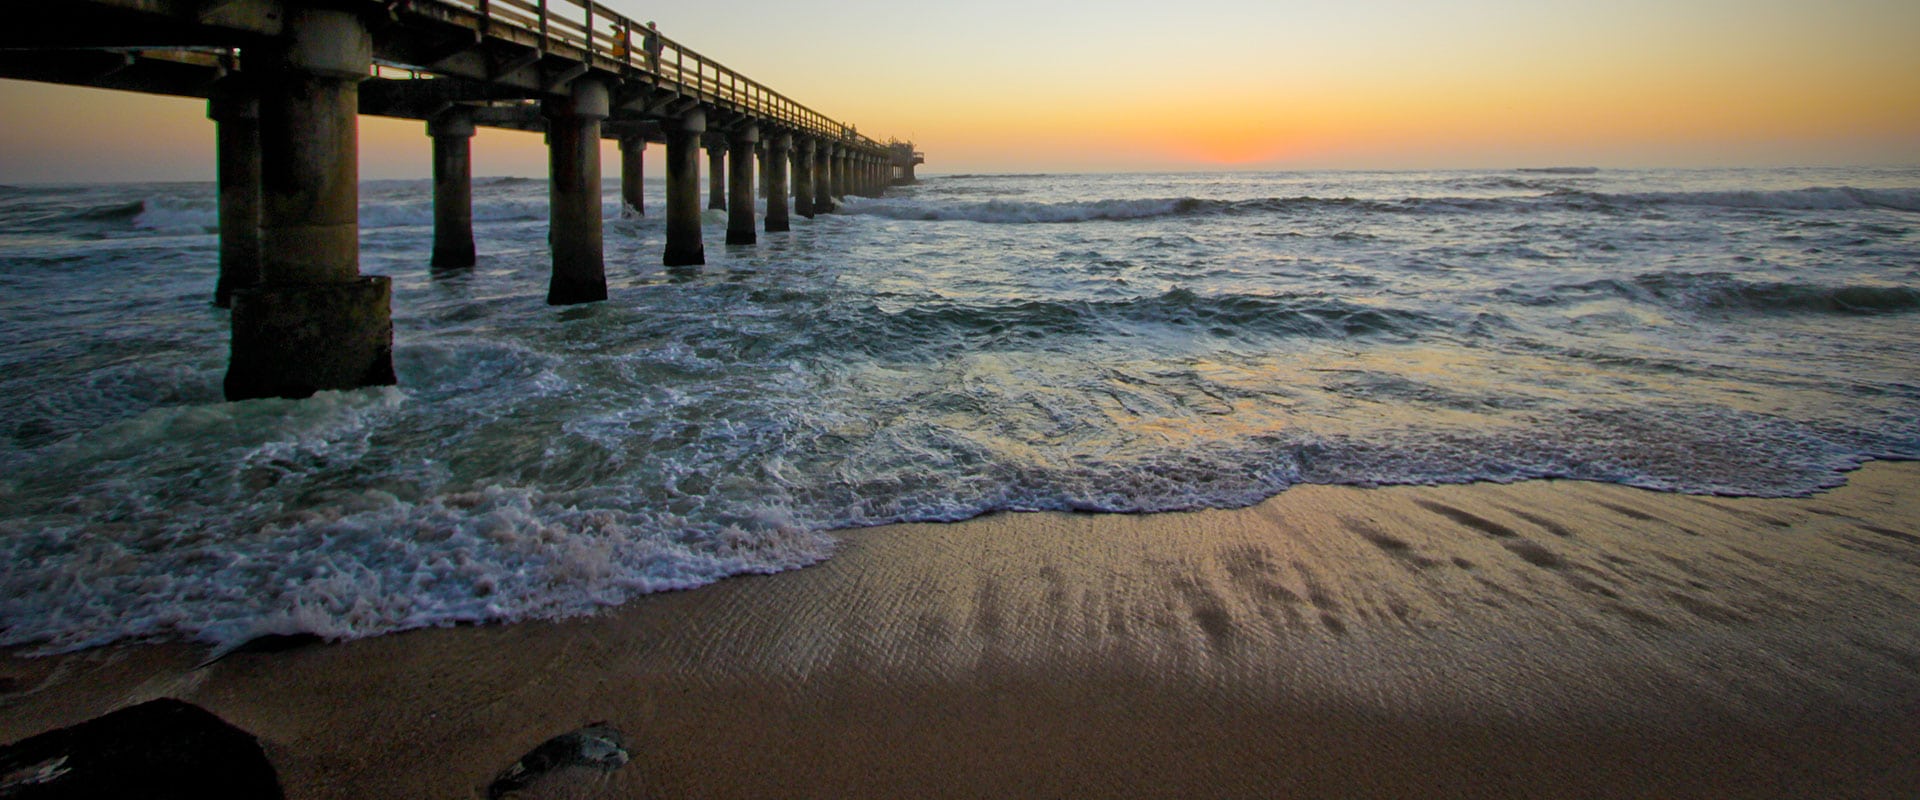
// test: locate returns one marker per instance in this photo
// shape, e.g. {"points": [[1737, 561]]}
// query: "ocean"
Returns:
{"points": [[971, 344]]}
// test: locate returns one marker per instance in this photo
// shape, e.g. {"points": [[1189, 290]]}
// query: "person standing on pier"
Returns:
{"points": [[651, 43]]}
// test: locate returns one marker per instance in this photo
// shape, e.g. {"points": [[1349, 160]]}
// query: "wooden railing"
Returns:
{"points": [[607, 39]]}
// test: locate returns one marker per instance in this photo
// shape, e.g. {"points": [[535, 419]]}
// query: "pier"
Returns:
{"points": [[286, 80]]}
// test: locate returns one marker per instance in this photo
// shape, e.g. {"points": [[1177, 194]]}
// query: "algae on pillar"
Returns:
{"points": [[740, 210], [452, 132], [684, 248], [777, 148], [234, 106], [312, 323], [633, 149], [803, 177], [573, 148]]}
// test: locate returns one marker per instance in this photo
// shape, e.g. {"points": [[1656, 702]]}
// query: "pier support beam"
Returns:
{"points": [[312, 323], [838, 172], [573, 150], [235, 109], [803, 177], [823, 178], [717, 172], [740, 144], [452, 132], [633, 175], [766, 175], [777, 148], [684, 248]]}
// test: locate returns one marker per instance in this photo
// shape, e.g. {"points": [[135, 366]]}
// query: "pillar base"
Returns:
{"points": [[778, 226], [564, 292], [291, 340], [742, 237], [686, 256]]}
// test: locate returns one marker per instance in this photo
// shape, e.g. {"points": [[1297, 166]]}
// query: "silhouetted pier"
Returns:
{"points": [[286, 81]]}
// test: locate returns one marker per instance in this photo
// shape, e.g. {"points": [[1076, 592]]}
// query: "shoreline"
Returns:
{"points": [[1542, 638]]}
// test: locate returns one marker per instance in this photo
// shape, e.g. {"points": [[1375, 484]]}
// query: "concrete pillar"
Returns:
{"points": [[573, 181], [766, 175], [235, 109], [740, 227], [632, 175], [803, 177], [684, 248], [452, 132], [823, 178], [839, 173], [777, 148], [312, 323], [717, 172]]}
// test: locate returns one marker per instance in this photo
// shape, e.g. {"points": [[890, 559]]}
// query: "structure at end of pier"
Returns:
{"points": [[904, 158]]}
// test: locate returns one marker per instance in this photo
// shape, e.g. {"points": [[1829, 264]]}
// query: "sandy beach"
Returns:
{"points": [[1541, 639]]}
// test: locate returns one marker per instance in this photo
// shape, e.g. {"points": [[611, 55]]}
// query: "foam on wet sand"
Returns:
{"points": [[1545, 638]]}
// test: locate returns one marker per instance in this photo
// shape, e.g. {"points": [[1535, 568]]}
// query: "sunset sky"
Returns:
{"points": [[1033, 85]]}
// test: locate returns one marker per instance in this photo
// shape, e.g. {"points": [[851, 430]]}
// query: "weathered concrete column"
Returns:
{"points": [[683, 191], [803, 177], [235, 109], [823, 178], [452, 132], [777, 148], [573, 181], [740, 227], [312, 323], [840, 172], [766, 175], [633, 175], [717, 172]]}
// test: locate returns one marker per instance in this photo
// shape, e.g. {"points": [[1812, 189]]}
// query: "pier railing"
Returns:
{"points": [[605, 38]]}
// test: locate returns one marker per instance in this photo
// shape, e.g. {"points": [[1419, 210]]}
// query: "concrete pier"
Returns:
{"points": [[235, 109], [803, 176], [684, 248], [740, 227], [452, 133], [573, 150], [716, 172], [777, 148], [633, 175], [823, 178], [312, 323]]}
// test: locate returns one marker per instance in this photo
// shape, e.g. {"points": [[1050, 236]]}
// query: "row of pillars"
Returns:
{"points": [[305, 320]]}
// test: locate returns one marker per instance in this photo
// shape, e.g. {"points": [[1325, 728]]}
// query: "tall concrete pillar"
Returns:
{"points": [[803, 177], [573, 181], [452, 132], [740, 227], [235, 109], [717, 172], [766, 175], [839, 173], [312, 323], [823, 178], [777, 148], [684, 248], [633, 175]]}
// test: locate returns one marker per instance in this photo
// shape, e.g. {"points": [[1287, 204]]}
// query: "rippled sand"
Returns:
{"points": [[1539, 639]]}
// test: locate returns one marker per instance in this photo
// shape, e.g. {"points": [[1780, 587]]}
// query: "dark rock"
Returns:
{"points": [[159, 750], [596, 746]]}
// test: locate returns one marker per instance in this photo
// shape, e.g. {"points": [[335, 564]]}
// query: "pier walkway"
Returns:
{"points": [[285, 83]]}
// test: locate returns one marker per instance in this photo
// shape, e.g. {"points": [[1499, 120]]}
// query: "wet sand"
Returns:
{"points": [[1543, 639]]}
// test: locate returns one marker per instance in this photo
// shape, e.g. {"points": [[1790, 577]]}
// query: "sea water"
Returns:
{"points": [[975, 343]]}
